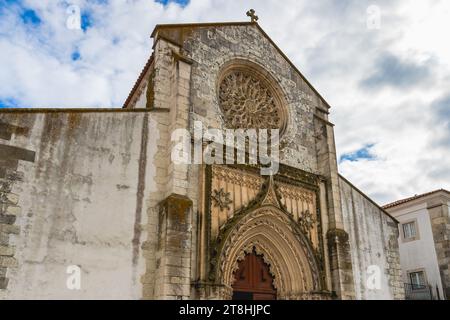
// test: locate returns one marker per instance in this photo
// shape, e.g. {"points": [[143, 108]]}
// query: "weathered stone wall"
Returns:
{"points": [[10, 179], [168, 273], [73, 192], [373, 237], [439, 211]]}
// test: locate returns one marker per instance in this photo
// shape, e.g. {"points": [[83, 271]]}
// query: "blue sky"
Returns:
{"points": [[180, 2], [359, 155], [389, 87]]}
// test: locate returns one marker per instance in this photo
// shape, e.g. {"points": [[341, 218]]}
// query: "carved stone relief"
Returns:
{"points": [[301, 204], [231, 190], [221, 199]]}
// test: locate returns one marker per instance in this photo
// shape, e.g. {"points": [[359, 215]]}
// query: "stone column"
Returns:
{"points": [[338, 243], [341, 264], [325, 225], [394, 269], [174, 248], [168, 257]]}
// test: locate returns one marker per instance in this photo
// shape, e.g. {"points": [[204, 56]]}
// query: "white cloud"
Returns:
{"points": [[328, 40]]}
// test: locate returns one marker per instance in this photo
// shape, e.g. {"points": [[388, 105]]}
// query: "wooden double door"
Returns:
{"points": [[253, 280]]}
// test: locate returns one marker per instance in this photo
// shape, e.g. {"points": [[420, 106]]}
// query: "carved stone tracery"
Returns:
{"points": [[235, 177], [296, 193], [248, 102]]}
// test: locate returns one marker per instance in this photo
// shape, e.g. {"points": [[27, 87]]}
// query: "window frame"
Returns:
{"points": [[417, 286], [416, 228]]}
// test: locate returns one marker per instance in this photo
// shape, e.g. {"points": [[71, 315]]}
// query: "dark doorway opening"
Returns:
{"points": [[253, 280]]}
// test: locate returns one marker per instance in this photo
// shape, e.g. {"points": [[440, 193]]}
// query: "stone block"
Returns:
{"points": [[7, 251], [9, 229], [176, 272], [15, 153], [4, 239], [179, 280], [177, 290], [179, 252], [7, 219], [3, 283], [9, 164], [183, 91], [12, 198], [439, 221], [173, 261], [14, 175], [8, 262], [5, 185]]}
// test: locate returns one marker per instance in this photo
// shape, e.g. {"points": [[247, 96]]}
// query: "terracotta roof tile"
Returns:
{"points": [[402, 201]]}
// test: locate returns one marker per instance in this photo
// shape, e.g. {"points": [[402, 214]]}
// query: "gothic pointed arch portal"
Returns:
{"points": [[268, 232]]}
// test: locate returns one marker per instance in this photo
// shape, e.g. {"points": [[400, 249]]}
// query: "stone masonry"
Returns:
{"points": [[10, 211], [440, 224]]}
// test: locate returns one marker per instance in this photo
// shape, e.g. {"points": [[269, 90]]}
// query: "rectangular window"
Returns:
{"points": [[409, 230], [417, 280]]}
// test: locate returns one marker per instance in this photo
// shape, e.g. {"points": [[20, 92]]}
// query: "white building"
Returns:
{"points": [[424, 243]]}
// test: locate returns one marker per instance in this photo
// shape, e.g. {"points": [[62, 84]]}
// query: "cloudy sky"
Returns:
{"points": [[386, 76]]}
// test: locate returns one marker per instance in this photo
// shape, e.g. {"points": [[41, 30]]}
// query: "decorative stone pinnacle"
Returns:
{"points": [[252, 15]]}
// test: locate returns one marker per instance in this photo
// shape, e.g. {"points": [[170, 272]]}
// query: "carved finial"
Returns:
{"points": [[252, 15], [270, 198]]}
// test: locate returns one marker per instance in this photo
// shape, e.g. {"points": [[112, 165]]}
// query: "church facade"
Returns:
{"points": [[96, 191]]}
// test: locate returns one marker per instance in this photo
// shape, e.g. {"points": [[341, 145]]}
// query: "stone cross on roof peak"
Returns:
{"points": [[252, 14]]}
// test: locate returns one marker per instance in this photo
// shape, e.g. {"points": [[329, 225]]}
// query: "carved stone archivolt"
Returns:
{"points": [[289, 255], [248, 99]]}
